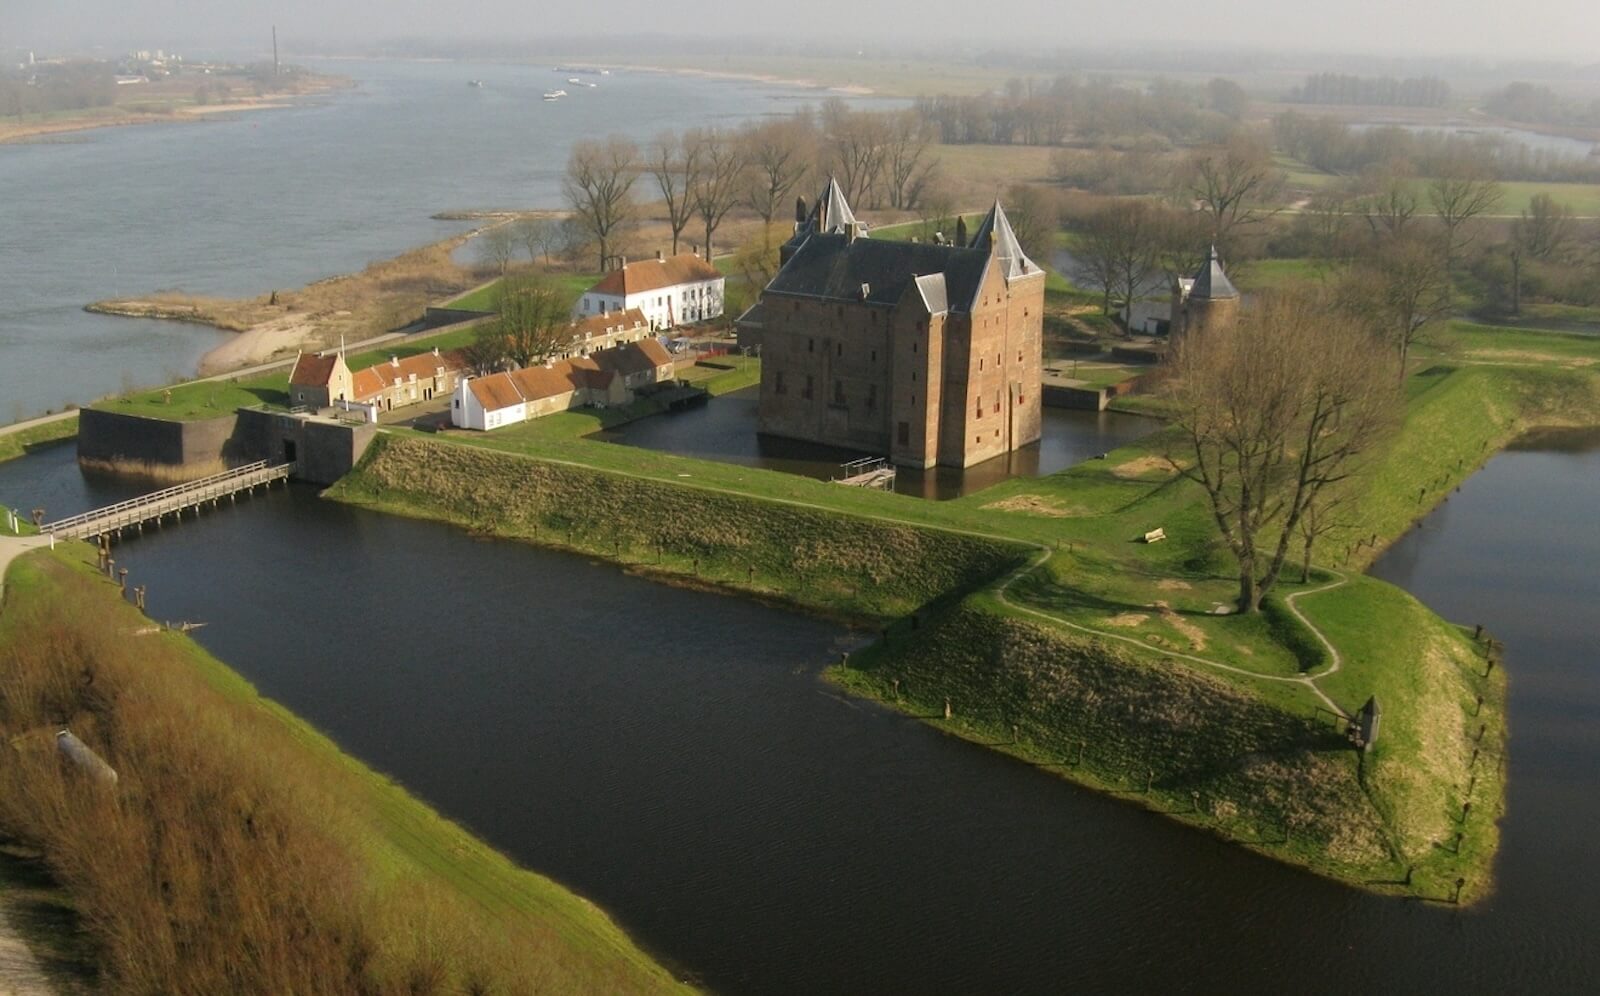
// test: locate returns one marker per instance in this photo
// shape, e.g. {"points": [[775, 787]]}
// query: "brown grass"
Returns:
{"points": [[1032, 505], [158, 474], [1144, 466]]}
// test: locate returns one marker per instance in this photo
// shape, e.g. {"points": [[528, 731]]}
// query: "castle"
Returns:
{"points": [[930, 353]]}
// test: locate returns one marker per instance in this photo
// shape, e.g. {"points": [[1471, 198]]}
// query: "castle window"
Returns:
{"points": [[914, 345], [811, 345], [838, 350], [1019, 356], [838, 392], [1020, 397], [980, 363], [874, 356], [872, 397], [807, 392], [978, 413], [913, 376], [777, 383], [903, 432]]}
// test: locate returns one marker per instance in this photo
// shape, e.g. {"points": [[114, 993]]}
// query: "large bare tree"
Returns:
{"points": [[599, 188], [1274, 411], [856, 147], [780, 154], [1120, 249], [534, 323], [719, 180], [908, 167], [1462, 189], [676, 168], [1399, 292], [1233, 184]]}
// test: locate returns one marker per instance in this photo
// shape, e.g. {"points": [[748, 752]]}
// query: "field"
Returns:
{"points": [[433, 902], [15, 444]]}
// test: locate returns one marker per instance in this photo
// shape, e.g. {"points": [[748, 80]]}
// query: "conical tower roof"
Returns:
{"points": [[995, 235], [832, 212], [1210, 282]]}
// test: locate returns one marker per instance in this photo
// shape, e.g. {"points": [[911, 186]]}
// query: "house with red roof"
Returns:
{"points": [[326, 380], [669, 292], [607, 377]]}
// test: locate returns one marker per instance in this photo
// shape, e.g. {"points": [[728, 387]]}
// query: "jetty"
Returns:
{"points": [[867, 472], [135, 513]]}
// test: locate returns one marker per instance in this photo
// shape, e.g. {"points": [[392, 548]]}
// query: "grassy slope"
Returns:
{"points": [[403, 837], [15, 444], [1160, 597]]}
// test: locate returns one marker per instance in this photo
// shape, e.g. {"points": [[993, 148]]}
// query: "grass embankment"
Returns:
{"points": [[851, 568], [241, 850], [24, 441]]}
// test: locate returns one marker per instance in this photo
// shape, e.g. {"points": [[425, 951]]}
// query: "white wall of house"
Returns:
{"points": [[664, 307]]}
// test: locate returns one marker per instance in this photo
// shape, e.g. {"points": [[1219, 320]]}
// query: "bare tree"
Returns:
{"points": [[1544, 227], [717, 186], [1119, 250], [856, 151], [936, 212], [1461, 190], [497, 246], [1232, 184], [535, 323], [1035, 219], [908, 167], [676, 167], [537, 236], [780, 155], [1272, 412], [1390, 210], [1400, 291], [599, 187]]}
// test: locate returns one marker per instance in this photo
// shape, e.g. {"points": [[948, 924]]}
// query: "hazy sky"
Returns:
{"points": [[1566, 29]]}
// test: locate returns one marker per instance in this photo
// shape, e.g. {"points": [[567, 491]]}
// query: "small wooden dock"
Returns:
{"points": [[135, 513], [868, 472]]}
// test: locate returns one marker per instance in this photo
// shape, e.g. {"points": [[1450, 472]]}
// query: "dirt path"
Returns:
{"points": [[20, 974]]}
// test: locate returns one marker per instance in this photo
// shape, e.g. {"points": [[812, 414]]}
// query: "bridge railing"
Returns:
{"points": [[201, 488]]}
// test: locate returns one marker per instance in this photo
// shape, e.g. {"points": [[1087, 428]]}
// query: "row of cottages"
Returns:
{"points": [[929, 353], [603, 331], [324, 380], [604, 378], [669, 292]]}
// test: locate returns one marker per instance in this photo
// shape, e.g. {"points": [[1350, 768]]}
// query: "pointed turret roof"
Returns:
{"points": [[995, 236], [832, 212], [1210, 282]]}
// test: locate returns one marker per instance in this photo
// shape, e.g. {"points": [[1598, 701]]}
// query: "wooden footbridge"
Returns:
{"points": [[867, 472], [135, 513]]}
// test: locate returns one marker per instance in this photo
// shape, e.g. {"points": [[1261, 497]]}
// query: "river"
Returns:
{"points": [[278, 198], [675, 756]]}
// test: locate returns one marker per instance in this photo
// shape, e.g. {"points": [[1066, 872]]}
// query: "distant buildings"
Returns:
{"points": [[669, 292], [928, 353], [606, 377]]}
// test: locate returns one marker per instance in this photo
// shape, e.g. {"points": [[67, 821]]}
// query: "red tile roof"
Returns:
{"points": [[596, 325], [311, 370], [654, 274], [374, 379], [634, 357]]}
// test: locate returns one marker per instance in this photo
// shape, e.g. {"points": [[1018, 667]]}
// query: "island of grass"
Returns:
{"points": [[1029, 618], [282, 864]]}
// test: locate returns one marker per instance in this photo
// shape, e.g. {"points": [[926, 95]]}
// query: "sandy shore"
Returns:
{"points": [[258, 344]]}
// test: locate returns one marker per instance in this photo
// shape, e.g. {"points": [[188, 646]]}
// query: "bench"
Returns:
{"points": [[1155, 535]]}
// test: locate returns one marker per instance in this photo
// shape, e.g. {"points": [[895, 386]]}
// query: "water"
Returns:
{"points": [[1559, 145], [674, 756], [276, 199], [725, 431]]}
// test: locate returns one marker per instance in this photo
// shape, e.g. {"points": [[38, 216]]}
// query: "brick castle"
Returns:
{"points": [[929, 353]]}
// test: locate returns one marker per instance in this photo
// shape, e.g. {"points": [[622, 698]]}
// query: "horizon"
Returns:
{"points": [[1552, 31]]}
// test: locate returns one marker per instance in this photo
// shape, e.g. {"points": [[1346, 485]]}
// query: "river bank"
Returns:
{"points": [[409, 877], [166, 109]]}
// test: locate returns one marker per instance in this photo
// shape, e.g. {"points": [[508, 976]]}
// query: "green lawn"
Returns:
{"points": [[487, 297], [15, 444]]}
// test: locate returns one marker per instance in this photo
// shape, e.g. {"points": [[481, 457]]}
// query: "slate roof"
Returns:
{"points": [[653, 274], [932, 289], [1210, 282], [311, 370], [995, 232], [835, 268], [830, 215]]}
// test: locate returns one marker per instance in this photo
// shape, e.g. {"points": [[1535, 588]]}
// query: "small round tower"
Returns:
{"points": [[1212, 301]]}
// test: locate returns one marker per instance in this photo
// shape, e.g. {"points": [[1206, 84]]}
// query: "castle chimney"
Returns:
{"points": [[394, 360], [658, 255]]}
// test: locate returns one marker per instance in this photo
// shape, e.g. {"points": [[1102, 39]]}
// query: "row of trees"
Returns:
{"points": [[1336, 147], [72, 86], [700, 176], [1068, 109], [1536, 104], [1386, 91]]}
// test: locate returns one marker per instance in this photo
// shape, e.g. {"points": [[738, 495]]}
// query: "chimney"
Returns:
{"points": [[622, 262], [436, 351], [394, 361], [866, 291], [658, 255]]}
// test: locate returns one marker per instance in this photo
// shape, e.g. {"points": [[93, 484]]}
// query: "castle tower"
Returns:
{"points": [[1210, 302]]}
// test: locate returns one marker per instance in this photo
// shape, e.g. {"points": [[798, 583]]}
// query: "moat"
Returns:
{"points": [[675, 756], [725, 430]]}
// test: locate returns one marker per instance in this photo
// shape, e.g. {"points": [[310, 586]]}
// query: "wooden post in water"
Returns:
{"points": [[123, 577], [1455, 899], [947, 711]]}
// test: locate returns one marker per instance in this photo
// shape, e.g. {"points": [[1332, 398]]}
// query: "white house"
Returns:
{"points": [[670, 292], [607, 377]]}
